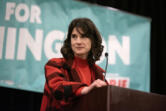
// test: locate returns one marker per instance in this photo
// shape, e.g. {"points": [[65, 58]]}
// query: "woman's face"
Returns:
{"points": [[80, 45]]}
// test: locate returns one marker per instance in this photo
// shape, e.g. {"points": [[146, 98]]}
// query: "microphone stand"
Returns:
{"points": [[106, 55]]}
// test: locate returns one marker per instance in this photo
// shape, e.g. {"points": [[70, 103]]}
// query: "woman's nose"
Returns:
{"points": [[78, 40]]}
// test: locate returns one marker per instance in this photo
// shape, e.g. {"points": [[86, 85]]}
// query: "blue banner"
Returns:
{"points": [[33, 31]]}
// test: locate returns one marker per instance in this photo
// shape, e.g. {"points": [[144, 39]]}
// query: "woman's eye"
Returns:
{"points": [[73, 36], [83, 36]]}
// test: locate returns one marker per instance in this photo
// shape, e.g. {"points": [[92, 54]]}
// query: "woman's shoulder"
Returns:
{"points": [[99, 68], [56, 62]]}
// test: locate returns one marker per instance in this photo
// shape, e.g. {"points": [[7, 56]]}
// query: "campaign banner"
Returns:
{"points": [[33, 31]]}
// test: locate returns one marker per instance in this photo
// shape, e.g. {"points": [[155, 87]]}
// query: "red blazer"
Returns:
{"points": [[62, 82]]}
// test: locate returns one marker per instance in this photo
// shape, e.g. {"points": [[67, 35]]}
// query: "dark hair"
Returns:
{"points": [[89, 30]]}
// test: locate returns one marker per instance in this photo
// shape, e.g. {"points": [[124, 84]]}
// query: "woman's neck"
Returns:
{"points": [[80, 61], [81, 56]]}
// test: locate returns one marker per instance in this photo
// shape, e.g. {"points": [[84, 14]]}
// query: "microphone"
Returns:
{"points": [[106, 55]]}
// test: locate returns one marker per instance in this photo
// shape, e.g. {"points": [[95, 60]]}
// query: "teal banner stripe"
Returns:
{"points": [[33, 31]]}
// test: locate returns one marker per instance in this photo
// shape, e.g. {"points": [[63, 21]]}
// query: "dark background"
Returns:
{"points": [[19, 100]]}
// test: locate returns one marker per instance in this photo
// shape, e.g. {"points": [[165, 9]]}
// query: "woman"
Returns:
{"points": [[76, 74]]}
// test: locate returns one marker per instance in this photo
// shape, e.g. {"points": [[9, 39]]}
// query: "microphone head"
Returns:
{"points": [[106, 54]]}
